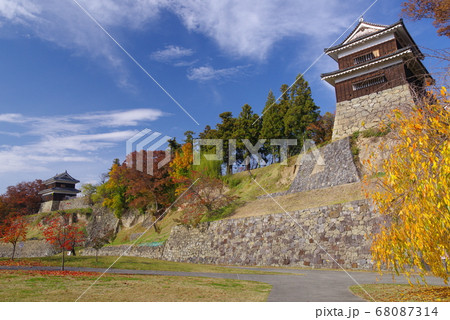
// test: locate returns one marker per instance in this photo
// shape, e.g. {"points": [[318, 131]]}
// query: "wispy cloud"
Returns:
{"points": [[32, 158], [207, 73], [12, 134], [69, 138], [123, 118], [170, 53], [83, 142], [12, 118], [19, 11], [185, 63], [240, 28], [83, 122], [251, 28]]}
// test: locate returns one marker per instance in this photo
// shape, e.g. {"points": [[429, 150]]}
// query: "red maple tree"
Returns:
{"points": [[4, 210], [64, 235], [22, 199], [321, 130], [12, 230]]}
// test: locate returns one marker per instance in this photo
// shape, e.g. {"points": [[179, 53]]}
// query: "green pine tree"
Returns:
{"points": [[301, 112], [248, 126], [189, 136], [272, 124], [225, 131]]}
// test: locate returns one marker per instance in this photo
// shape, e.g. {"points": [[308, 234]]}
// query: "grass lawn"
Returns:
{"points": [[137, 263], [36, 286], [402, 293], [273, 178], [301, 200]]}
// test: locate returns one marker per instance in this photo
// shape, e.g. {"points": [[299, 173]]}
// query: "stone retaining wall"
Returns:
{"points": [[73, 203], [343, 230], [331, 165], [27, 249], [370, 109], [49, 206], [328, 166], [146, 252]]}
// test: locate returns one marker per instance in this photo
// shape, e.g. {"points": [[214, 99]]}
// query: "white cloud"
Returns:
{"points": [[19, 10], [241, 28], [124, 118], [206, 73], [185, 63], [12, 134], [48, 150], [170, 53], [12, 118], [82, 122], [13, 162], [34, 158], [83, 142], [71, 138], [251, 28]]}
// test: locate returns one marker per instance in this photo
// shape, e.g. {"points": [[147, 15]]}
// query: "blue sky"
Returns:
{"points": [[70, 97]]}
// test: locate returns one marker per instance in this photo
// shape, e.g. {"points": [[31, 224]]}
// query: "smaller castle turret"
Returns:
{"points": [[58, 188]]}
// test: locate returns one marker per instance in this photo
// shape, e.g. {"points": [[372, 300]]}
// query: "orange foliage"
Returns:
{"points": [[21, 263], [439, 10], [181, 167]]}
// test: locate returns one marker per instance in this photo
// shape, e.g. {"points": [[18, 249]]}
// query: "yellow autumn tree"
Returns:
{"points": [[181, 166], [114, 190], [414, 193]]}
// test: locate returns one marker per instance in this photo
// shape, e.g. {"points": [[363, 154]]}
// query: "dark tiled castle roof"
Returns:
{"points": [[62, 177]]}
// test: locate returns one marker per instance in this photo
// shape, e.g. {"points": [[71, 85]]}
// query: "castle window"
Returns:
{"points": [[364, 58], [369, 82]]}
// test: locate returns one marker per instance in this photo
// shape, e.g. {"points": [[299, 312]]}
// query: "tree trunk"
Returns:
{"points": [[14, 251], [73, 251], [64, 253], [96, 255]]}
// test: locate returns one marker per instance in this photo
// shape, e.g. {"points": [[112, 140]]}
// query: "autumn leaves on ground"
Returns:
{"points": [[402, 293]]}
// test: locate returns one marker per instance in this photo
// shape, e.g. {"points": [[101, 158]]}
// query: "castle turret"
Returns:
{"points": [[380, 69]]}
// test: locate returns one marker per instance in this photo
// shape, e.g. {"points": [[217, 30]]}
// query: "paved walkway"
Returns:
{"points": [[308, 285]]}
